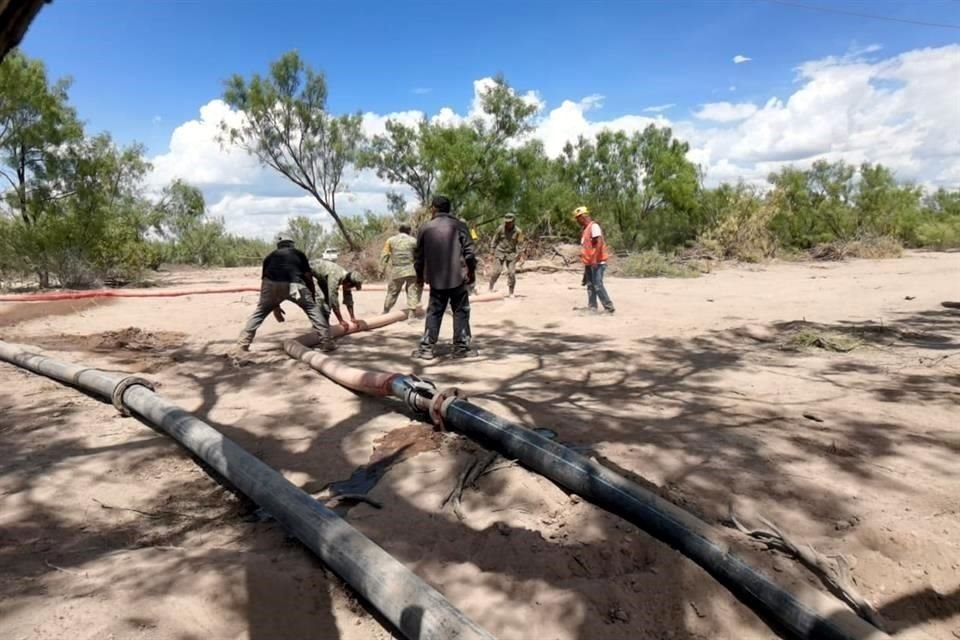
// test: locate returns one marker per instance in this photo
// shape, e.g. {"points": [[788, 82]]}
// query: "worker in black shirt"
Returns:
{"points": [[287, 276]]}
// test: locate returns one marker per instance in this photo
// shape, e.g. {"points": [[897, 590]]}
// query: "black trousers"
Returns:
{"points": [[459, 301]]}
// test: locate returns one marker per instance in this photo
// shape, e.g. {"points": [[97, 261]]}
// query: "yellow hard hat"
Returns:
{"points": [[581, 211]]}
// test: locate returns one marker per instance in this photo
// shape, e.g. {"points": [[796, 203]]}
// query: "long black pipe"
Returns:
{"points": [[415, 608], [808, 616]]}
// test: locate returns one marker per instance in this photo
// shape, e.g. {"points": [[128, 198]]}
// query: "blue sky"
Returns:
{"points": [[817, 84], [133, 60]]}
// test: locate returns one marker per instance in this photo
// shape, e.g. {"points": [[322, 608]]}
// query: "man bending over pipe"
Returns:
{"points": [[444, 246], [286, 276], [333, 278]]}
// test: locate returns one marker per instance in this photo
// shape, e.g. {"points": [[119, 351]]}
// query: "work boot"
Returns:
{"points": [[327, 345], [459, 353], [424, 353], [510, 294]]}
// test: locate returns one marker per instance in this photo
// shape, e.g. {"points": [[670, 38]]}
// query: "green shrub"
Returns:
{"points": [[741, 228], [939, 234], [653, 264]]}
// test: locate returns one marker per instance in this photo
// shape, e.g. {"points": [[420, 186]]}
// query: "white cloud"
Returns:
{"points": [[157, 119], [196, 156], [901, 111], [422, 91], [568, 122], [254, 215], [447, 117], [726, 111], [373, 124], [732, 88], [740, 59], [660, 108], [856, 51]]}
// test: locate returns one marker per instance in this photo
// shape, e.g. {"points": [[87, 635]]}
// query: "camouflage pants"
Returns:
{"points": [[504, 262], [408, 284], [271, 295]]}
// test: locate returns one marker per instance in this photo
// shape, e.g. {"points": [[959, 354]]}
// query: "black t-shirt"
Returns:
{"points": [[286, 264]]}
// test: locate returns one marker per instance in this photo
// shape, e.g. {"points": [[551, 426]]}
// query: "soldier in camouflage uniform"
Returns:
{"points": [[398, 253], [331, 279], [506, 250]]}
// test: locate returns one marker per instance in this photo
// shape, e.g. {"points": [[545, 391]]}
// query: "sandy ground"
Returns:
{"points": [[108, 530]]}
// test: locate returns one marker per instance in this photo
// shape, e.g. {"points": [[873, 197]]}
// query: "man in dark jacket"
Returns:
{"points": [[286, 276], [444, 251]]}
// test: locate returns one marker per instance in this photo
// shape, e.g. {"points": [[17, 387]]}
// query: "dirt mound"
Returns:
{"points": [[136, 339], [406, 442], [156, 345]]}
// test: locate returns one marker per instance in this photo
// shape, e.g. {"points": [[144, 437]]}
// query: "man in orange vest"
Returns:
{"points": [[594, 255]]}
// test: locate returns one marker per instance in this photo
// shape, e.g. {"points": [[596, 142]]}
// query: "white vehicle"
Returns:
{"points": [[330, 254]]}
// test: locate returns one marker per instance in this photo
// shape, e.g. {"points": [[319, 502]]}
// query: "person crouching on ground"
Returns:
{"points": [[594, 255], [332, 279], [286, 275], [444, 246], [398, 252]]}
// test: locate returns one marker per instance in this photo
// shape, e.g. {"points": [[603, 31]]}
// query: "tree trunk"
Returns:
{"points": [[44, 278], [336, 218], [22, 183]]}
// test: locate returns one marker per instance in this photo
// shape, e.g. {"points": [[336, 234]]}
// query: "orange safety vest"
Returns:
{"points": [[590, 254]]}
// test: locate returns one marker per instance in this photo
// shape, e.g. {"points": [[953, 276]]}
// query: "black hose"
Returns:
{"points": [[784, 611], [415, 608]]}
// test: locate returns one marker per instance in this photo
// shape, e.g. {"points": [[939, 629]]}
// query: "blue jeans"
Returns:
{"points": [[593, 274]]}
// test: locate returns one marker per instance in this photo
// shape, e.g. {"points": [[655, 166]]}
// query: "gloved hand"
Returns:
{"points": [[279, 314]]}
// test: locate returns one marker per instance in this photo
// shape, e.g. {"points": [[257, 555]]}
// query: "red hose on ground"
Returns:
{"points": [[115, 293], [120, 293]]}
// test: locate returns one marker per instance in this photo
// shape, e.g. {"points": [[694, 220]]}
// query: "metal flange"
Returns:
{"points": [[130, 381], [437, 404]]}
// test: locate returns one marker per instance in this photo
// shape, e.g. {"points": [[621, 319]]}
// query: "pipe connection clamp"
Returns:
{"points": [[130, 381], [418, 392], [439, 404]]}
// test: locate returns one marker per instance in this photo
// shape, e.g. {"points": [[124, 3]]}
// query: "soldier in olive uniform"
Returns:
{"points": [[506, 250], [398, 252], [331, 279]]}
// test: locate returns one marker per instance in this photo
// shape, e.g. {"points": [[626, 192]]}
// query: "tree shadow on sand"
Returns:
{"points": [[679, 414]]}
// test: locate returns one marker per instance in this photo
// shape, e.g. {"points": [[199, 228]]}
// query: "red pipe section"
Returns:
{"points": [[114, 293], [374, 383], [369, 382], [120, 293]]}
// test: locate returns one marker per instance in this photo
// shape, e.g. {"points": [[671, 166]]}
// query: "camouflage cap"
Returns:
{"points": [[283, 237], [510, 217]]}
